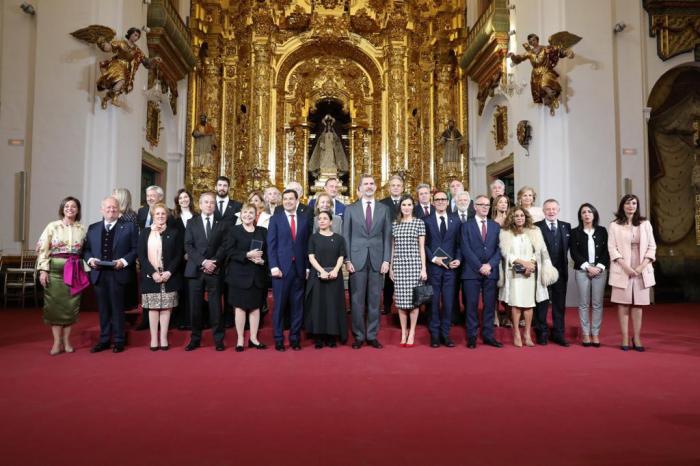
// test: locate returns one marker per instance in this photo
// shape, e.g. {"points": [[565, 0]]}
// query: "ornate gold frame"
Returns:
{"points": [[500, 126], [153, 124]]}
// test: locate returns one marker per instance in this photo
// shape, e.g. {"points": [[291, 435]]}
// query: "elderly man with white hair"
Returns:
{"points": [[154, 195], [498, 188]]}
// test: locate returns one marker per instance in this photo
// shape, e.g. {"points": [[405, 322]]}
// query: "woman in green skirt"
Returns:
{"points": [[62, 273]]}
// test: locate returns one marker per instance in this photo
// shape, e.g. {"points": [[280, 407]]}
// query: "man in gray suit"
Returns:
{"points": [[367, 233]]}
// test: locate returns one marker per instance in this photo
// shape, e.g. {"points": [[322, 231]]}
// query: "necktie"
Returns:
{"points": [[427, 212], [553, 227], [368, 217], [109, 227], [293, 226], [443, 227], [208, 229], [463, 217], [221, 207], [483, 230], [396, 203]]}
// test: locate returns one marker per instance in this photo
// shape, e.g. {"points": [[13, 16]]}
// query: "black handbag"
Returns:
{"points": [[422, 294]]}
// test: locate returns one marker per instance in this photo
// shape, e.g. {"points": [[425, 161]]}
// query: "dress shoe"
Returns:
{"points": [[279, 347], [118, 348], [357, 344], [318, 344], [220, 346], [448, 342], [155, 348], [99, 347], [332, 343], [434, 342], [56, 351], [165, 347], [493, 342], [191, 346], [296, 346], [542, 341], [258, 346], [377, 345], [471, 342], [239, 348], [561, 342]]}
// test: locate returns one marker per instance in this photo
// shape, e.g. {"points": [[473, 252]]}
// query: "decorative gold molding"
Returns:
{"points": [[675, 24], [153, 123]]}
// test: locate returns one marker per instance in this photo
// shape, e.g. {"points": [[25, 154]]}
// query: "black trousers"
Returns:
{"points": [[110, 302], [557, 297], [197, 286]]}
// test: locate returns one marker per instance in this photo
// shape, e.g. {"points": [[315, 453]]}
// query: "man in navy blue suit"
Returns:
{"points": [[423, 207], [288, 244], [331, 188], [110, 251], [480, 257], [442, 233]]}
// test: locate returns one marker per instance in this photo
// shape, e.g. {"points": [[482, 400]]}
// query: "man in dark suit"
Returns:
{"points": [[392, 201], [226, 208], [464, 209], [442, 233], [367, 234], [154, 195], [204, 245], [556, 235], [287, 245], [423, 207], [110, 251], [331, 188], [481, 256]]}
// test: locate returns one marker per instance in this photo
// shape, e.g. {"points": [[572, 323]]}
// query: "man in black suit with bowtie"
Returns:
{"points": [[204, 245], [110, 251], [556, 235]]}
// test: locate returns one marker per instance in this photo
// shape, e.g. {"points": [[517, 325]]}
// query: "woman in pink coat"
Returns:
{"points": [[632, 250]]}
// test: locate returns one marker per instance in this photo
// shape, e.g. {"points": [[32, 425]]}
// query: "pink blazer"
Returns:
{"points": [[619, 246]]}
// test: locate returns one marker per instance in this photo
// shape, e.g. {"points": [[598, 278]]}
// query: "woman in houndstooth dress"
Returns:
{"points": [[407, 265]]}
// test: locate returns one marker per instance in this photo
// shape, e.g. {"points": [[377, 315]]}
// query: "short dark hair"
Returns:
{"points": [[621, 218], [130, 31], [65, 201], [224, 178], [530, 36], [404, 197], [596, 217], [296, 194], [325, 212], [332, 178]]}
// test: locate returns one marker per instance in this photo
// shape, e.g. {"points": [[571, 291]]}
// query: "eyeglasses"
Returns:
{"points": [[440, 199], [482, 205]]}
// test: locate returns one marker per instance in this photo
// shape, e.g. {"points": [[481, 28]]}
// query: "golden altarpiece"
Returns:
{"points": [[267, 69]]}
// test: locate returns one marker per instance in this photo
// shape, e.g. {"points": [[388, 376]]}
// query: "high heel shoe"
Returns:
{"points": [[529, 343], [155, 348], [258, 346], [239, 348], [639, 349], [164, 347], [54, 352], [624, 347]]}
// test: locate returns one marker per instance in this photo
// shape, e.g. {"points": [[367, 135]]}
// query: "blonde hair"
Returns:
{"points": [[123, 197], [522, 191]]}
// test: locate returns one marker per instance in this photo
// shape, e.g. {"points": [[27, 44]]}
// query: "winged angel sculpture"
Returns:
{"points": [[544, 81], [116, 73]]}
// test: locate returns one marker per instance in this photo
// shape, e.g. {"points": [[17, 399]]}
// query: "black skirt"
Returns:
{"points": [[248, 299]]}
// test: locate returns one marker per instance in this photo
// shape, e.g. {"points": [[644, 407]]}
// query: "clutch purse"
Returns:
{"points": [[518, 268], [422, 294]]}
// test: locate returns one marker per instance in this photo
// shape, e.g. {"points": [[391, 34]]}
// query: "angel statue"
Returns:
{"points": [[116, 73], [328, 157], [544, 82]]}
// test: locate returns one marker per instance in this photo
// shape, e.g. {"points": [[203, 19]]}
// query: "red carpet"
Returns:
{"points": [[530, 406]]}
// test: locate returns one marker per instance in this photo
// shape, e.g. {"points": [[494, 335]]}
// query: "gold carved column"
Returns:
{"points": [[260, 107], [230, 162], [396, 127], [360, 154], [445, 111]]}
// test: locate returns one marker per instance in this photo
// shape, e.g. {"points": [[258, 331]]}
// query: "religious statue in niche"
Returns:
{"points": [[328, 157], [116, 73], [544, 81], [452, 140], [204, 145]]}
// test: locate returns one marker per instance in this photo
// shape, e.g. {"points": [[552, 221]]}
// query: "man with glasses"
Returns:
{"points": [[481, 256], [442, 251]]}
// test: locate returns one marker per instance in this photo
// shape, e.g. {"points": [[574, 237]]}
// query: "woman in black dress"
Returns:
{"points": [[325, 291], [246, 275], [184, 210], [160, 255]]}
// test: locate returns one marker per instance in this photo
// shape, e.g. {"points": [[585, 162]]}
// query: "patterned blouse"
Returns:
{"points": [[59, 238]]}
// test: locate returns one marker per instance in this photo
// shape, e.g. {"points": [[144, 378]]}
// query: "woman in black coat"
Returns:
{"points": [[247, 274], [589, 250], [160, 254]]}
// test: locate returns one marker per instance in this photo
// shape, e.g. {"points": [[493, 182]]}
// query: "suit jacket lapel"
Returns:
{"points": [[117, 229]]}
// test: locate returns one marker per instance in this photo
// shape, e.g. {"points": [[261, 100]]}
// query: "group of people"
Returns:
{"points": [[228, 254]]}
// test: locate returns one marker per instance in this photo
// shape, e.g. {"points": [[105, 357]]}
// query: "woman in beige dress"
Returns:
{"points": [[632, 249], [527, 270], [526, 199]]}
